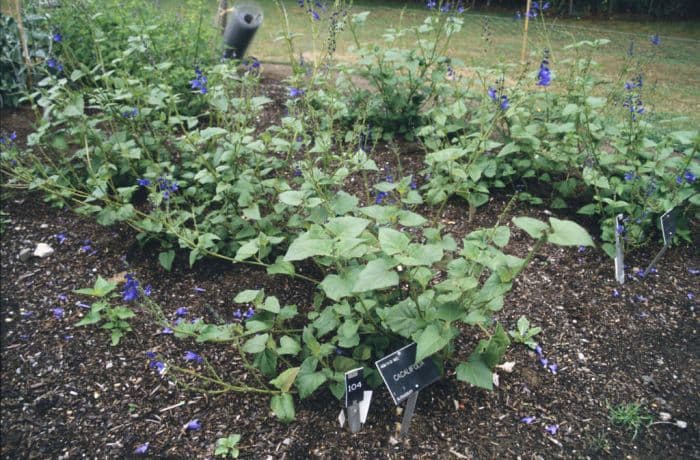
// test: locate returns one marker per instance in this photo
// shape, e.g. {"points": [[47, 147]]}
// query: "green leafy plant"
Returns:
{"points": [[114, 319], [630, 416], [226, 447], [524, 333]]}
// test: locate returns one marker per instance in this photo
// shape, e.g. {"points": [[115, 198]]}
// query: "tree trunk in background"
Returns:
{"points": [[611, 8], [571, 7]]}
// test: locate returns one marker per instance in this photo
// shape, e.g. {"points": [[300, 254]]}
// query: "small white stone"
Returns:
{"points": [[44, 226], [681, 424], [507, 366], [664, 416], [43, 250]]}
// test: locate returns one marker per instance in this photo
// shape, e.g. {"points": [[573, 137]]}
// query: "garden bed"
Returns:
{"points": [[67, 392]]}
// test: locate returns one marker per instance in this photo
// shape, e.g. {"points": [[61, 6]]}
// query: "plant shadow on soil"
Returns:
{"points": [[66, 392]]}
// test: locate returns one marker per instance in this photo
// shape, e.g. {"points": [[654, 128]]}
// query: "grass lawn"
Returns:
{"points": [[672, 70]]}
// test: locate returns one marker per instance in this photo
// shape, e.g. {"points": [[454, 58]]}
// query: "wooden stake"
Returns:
{"points": [[527, 22], [22, 41]]}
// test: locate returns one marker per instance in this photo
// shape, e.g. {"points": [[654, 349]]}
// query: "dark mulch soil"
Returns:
{"points": [[67, 393]]}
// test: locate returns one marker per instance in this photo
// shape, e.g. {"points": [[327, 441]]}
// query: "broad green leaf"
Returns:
{"points": [[308, 380], [376, 275], [403, 318], [214, 333], [285, 380], [501, 236], [280, 267], [430, 341], [92, 317], [411, 219], [166, 259], [101, 288], [266, 362], [347, 334], [282, 406], [248, 249], [346, 226], [271, 304], [212, 131], [325, 323], [475, 372], [305, 246], [392, 241], [567, 233], [256, 344], [336, 287], [534, 227], [292, 197], [421, 254], [288, 346], [247, 296], [343, 203]]}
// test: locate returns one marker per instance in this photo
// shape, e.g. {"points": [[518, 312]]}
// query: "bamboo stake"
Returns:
{"points": [[527, 22], [23, 42]]}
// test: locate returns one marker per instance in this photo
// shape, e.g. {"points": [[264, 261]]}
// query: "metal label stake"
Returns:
{"points": [[668, 229], [619, 252], [408, 414]]}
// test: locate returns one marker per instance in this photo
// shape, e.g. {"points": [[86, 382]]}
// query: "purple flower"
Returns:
{"points": [[528, 419], [199, 289], [504, 102], [131, 288], [315, 15], [544, 362], [295, 92], [60, 237], [192, 356], [544, 76], [62, 298], [166, 330], [689, 177], [85, 248], [200, 82], [249, 314], [691, 296], [142, 449], [82, 305], [552, 429], [151, 354], [492, 93], [538, 350], [640, 298], [67, 337], [182, 311], [655, 40], [629, 176], [147, 290], [57, 312], [380, 197], [57, 37], [431, 4], [518, 16], [193, 425], [159, 366], [553, 368], [27, 314], [143, 182], [615, 293], [694, 271], [130, 113], [237, 314], [582, 249]]}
